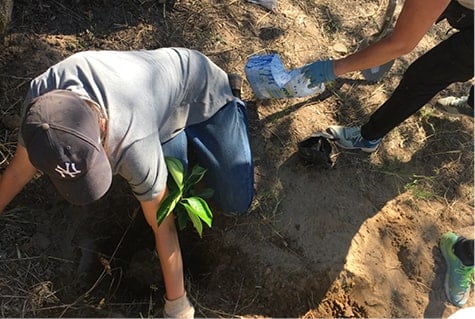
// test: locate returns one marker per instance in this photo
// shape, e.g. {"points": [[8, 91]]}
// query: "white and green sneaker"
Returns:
{"points": [[458, 277], [350, 138]]}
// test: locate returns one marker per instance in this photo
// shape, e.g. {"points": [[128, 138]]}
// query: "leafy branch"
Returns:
{"points": [[188, 204]]}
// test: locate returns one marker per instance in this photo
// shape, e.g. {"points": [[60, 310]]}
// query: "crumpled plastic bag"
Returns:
{"points": [[268, 4], [317, 149], [269, 78]]}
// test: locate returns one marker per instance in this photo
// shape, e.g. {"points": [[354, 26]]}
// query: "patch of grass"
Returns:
{"points": [[391, 165], [421, 186]]}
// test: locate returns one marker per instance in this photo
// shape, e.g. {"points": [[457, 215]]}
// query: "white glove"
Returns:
{"points": [[179, 308]]}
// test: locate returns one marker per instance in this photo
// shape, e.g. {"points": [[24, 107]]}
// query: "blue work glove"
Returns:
{"points": [[319, 72]]}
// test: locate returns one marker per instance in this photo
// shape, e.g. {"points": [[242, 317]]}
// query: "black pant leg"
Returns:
{"points": [[463, 249], [470, 97], [448, 62]]}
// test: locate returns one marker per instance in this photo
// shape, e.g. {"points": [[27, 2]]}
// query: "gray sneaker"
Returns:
{"points": [[350, 138], [455, 106]]}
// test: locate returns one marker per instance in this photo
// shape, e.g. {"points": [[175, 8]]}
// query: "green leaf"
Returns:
{"points": [[196, 175], [172, 186], [175, 167], [195, 207], [168, 205], [182, 216], [198, 207], [203, 193], [196, 223]]}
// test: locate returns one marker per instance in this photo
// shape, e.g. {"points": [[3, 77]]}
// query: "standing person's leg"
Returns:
{"points": [[470, 97], [222, 147], [450, 61], [463, 249]]}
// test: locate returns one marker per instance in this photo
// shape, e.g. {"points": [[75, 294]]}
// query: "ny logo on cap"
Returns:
{"points": [[70, 170]]}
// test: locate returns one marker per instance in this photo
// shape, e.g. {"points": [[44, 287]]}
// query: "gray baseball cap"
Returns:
{"points": [[63, 139]]}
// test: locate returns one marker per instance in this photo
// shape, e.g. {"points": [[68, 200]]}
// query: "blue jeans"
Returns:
{"points": [[221, 145]]}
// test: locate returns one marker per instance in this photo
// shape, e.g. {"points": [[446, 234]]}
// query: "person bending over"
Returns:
{"points": [[100, 113]]}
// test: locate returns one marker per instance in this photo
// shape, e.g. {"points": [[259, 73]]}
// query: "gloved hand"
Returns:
{"points": [[179, 308], [319, 72]]}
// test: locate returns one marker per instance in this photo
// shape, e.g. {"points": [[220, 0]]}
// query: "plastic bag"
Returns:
{"points": [[316, 149], [269, 79]]}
